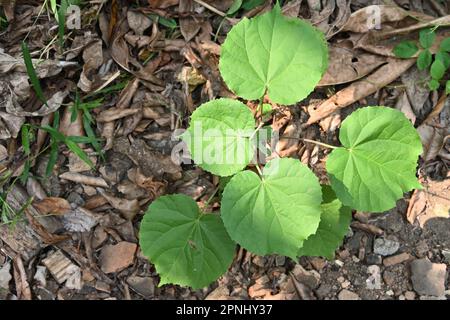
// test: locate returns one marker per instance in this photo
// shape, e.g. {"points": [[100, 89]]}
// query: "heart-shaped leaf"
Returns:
{"points": [[378, 160], [334, 222], [186, 246], [284, 56], [274, 213], [219, 136]]}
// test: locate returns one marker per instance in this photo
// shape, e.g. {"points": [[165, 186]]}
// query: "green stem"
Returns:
{"points": [[259, 170], [211, 197], [312, 141], [320, 143]]}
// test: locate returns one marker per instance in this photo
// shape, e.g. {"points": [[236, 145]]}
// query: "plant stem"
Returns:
{"points": [[259, 170], [211, 197], [312, 141], [260, 104], [319, 143], [256, 130]]}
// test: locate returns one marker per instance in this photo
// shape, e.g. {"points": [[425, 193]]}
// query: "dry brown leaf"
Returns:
{"points": [[129, 208], [362, 20], [69, 128], [120, 52], [431, 202], [361, 89], [162, 4], [46, 236], [404, 106], [151, 162], [346, 65], [433, 130], [432, 138], [156, 188], [189, 25], [35, 188], [89, 180], [20, 278], [52, 105], [80, 220], [115, 113], [138, 22], [52, 205], [417, 90]]}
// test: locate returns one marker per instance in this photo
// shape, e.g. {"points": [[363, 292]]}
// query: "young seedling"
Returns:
{"points": [[282, 209], [437, 66]]}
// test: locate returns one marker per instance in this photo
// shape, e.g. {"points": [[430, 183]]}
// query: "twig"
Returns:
{"points": [[211, 8], [439, 22], [367, 227]]}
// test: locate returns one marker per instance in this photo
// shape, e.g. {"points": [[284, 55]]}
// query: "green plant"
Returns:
{"points": [[71, 142], [88, 121], [32, 73], [437, 66], [281, 208]]}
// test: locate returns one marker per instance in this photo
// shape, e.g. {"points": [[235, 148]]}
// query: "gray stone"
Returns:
{"points": [[385, 247], [428, 278], [348, 295]]}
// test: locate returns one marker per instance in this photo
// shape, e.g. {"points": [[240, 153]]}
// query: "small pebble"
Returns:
{"points": [[339, 263], [345, 284], [345, 294], [410, 295]]}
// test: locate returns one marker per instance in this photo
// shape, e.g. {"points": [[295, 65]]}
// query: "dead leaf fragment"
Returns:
{"points": [[52, 205], [138, 22], [431, 202], [115, 258], [129, 208], [89, 180], [346, 65], [80, 220]]}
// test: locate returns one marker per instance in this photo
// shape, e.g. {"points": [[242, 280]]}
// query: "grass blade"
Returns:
{"points": [[53, 157], [79, 152], [25, 140], [32, 73]]}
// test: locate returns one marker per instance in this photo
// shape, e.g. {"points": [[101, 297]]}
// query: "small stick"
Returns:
{"points": [[367, 227], [211, 8]]}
